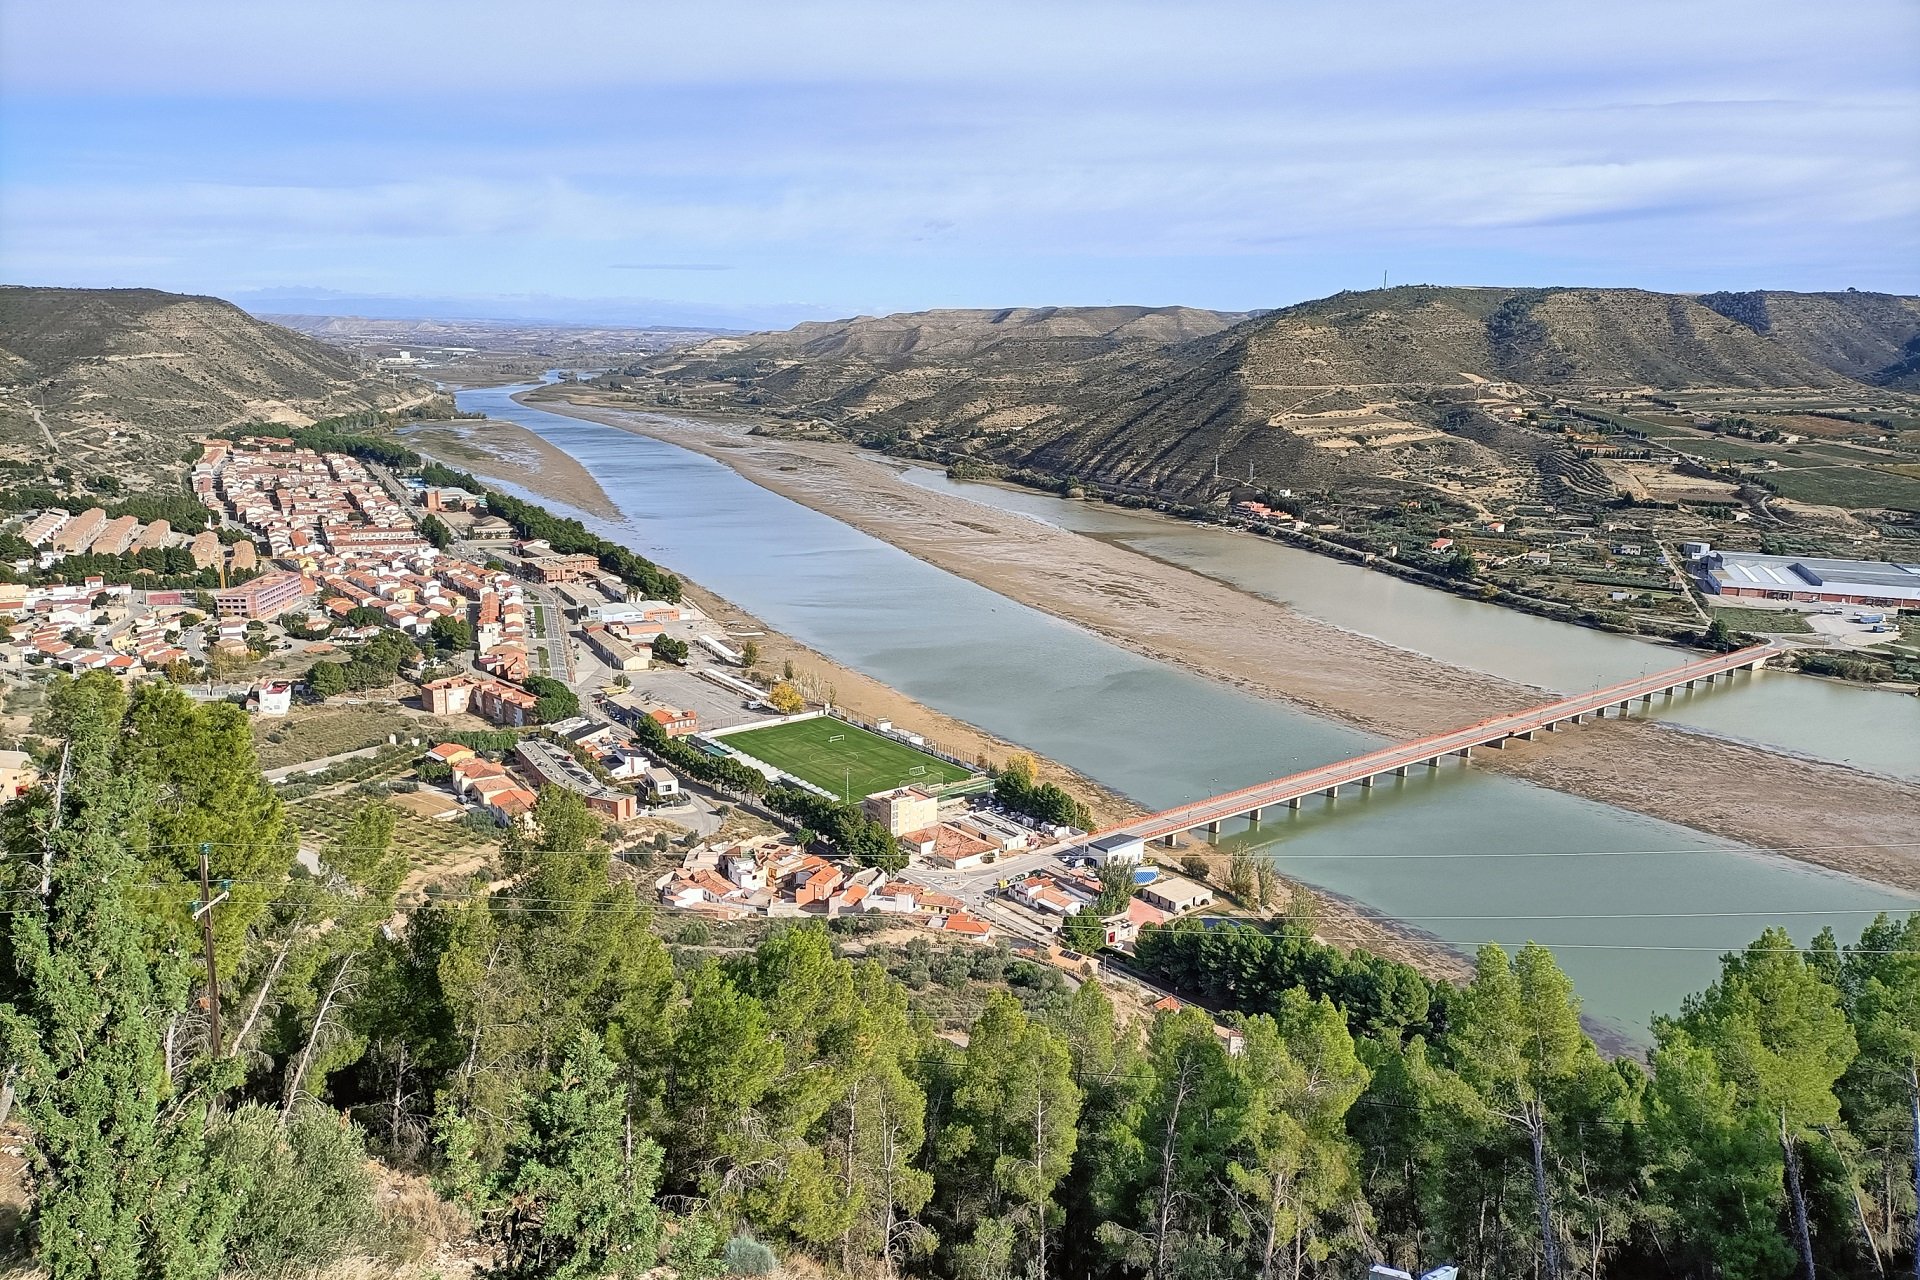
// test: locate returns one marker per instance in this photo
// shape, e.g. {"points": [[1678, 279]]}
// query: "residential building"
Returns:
{"points": [[264, 598], [1176, 894], [661, 784], [561, 568], [949, 845], [678, 724], [1117, 848], [902, 809], [450, 753], [962, 925], [449, 697], [17, 774], [275, 697], [554, 766]]}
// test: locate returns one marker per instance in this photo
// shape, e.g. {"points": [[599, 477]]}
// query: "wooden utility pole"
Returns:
{"points": [[203, 911]]}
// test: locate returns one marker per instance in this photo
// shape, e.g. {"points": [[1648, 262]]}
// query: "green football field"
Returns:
{"points": [[835, 756]]}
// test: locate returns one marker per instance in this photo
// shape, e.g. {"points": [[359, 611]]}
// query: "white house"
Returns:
{"points": [[1117, 848]]}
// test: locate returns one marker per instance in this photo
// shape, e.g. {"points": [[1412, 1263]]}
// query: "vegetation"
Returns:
{"points": [[667, 649], [843, 758], [599, 1108], [845, 826], [1016, 788], [557, 702], [566, 536]]}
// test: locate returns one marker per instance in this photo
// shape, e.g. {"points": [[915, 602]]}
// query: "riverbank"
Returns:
{"points": [[511, 453], [1829, 815]]}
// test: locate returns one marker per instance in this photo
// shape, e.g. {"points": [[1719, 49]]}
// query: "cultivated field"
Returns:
{"points": [[838, 757]]}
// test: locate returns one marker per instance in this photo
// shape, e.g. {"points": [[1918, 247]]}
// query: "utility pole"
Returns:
{"points": [[203, 912]]}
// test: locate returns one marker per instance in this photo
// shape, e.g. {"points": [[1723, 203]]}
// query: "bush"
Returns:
{"points": [[746, 1256], [306, 1199]]}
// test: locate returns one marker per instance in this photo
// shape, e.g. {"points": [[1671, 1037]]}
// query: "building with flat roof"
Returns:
{"points": [[554, 766], [266, 597], [558, 568], [1808, 579], [902, 809]]}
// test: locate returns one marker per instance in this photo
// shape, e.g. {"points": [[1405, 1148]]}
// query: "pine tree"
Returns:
{"points": [[124, 1187], [573, 1198]]}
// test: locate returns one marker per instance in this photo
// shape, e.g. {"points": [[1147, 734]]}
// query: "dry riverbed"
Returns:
{"points": [[1831, 815]]}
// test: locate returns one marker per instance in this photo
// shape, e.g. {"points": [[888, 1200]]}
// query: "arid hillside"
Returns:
{"points": [[1381, 389], [121, 375]]}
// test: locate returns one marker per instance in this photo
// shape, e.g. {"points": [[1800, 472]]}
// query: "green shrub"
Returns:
{"points": [[306, 1198], [746, 1256]]}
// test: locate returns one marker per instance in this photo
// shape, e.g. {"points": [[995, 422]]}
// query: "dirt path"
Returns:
{"points": [[1837, 817]]}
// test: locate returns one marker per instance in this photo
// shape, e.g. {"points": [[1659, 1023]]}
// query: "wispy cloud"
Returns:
{"points": [[879, 156]]}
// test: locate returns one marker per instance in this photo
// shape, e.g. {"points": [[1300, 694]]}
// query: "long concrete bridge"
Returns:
{"points": [[1365, 771]]}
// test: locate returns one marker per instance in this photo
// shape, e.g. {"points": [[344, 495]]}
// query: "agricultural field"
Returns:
{"points": [[1778, 622], [842, 758], [425, 841], [1850, 487], [314, 733]]}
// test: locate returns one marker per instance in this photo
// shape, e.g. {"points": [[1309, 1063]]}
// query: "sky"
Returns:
{"points": [[750, 165]]}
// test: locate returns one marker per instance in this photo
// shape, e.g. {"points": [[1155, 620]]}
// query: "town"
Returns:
{"points": [[526, 668]]}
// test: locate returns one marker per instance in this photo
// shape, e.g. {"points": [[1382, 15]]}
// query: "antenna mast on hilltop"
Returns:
{"points": [[1383, 277]]}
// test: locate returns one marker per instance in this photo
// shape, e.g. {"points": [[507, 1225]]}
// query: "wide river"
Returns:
{"points": [[1636, 909]]}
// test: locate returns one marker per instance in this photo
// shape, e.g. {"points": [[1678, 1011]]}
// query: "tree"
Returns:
{"points": [[1293, 1164], [557, 702], [435, 531], [573, 1197], [750, 655], [1011, 1133], [786, 699], [1768, 1041], [365, 615], [123, 1187], [1183, 1132], [326, 680], [450, 635], [667, 649]]}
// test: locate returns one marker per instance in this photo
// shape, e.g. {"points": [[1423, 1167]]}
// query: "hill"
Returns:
{"points": [[1379, 389], [120, 375]]}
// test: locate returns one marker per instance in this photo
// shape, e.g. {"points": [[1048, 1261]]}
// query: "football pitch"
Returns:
{"points": [[838, 757]]}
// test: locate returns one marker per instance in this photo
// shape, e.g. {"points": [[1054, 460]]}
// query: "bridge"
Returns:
{"points": [[1428, 752]]}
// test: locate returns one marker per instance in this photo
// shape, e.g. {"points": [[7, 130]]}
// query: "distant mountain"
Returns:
{"points": [[109, 372], [1357, 388]]}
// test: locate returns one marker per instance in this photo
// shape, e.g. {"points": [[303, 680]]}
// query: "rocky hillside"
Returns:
{"points": [[1371, 388], [105, 374], [1874, 337]]}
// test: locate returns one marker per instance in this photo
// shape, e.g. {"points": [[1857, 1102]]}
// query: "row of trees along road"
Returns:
{"points": [[595, 1107]]}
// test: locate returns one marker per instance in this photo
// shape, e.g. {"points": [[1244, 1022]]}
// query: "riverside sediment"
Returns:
{"points": [[1828, 815]]}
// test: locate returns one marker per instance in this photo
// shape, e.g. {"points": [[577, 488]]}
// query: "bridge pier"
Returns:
{"points": [[1646, 699], [1331, 793], [1254, 817], [1499, 744], [1213, 828], [1293, 802], [1465, 753], [1525, 737], [1368, 780], [1171, 840], [1434, 763], [1400, 772]]}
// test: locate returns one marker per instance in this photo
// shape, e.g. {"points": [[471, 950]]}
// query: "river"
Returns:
{"points": [[1822, 719], [1637, 909]]}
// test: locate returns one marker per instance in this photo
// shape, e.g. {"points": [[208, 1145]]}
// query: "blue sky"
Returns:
{"points": [[752, 164]]}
